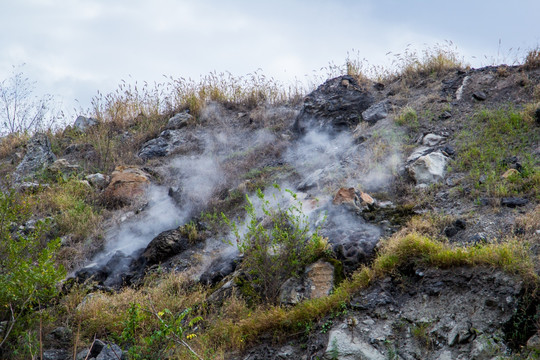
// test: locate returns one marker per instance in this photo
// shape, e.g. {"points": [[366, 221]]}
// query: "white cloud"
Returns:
{"points": [[77, 45]]}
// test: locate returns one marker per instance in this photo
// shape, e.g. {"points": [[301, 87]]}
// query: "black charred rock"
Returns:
{"points": [[165, 245], [537, 116], [336, 105], [219, 269], [513, 202], [479, 95]]}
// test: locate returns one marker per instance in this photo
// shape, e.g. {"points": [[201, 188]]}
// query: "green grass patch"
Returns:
{"points": [[486, 146]]}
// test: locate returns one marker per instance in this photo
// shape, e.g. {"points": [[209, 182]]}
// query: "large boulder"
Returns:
{"points": [[165, 245], [127, 185], [163, 145], [429, 168], [38, 156], [335, 105]]}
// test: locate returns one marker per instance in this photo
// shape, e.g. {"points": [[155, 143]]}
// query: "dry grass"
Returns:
{"points": [[532, 59]]}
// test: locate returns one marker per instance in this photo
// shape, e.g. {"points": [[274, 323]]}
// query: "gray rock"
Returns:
{"points": [[432, 140], [60, 334], [63, 166], [98, 180], [55, 354], [376, 112], [179, 121], [479, 95], [513, 202], [38, 156], [103, 350], [83, 354], [343, 345], [428, 168], [420, 151], [534, 342], [83, 123], [163, 145], [336, 105]]}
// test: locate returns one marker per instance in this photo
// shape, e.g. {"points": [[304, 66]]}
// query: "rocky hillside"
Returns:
{"points": [[388, 219]]}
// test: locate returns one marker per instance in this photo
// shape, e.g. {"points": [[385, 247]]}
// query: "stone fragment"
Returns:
{"points": [[376, 112], [163, 145], [62, 166], [83, 123], [165, 245], [432, 140], [513, 202], [98, 180], [509, 172], [179, 121], [347, 347], [479, 95]]}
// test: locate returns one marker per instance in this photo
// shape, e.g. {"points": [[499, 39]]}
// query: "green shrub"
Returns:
{"points": [[28, 273], [276, 248], [408, 117]]}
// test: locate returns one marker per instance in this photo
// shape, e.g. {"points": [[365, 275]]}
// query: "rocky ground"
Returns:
{"points": [[368, 158]]}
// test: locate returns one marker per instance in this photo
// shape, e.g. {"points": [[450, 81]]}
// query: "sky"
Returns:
{"points": [[74, 48]]}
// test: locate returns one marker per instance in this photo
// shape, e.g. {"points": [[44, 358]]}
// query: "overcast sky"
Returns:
{"points": [[73, 48]]}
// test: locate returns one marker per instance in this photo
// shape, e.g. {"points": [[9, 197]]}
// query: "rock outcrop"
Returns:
{"points": [[335, 105], [38, 156]]}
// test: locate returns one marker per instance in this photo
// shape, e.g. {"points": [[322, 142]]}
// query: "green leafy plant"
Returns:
{"points": [[277, 247], [28, 273]]}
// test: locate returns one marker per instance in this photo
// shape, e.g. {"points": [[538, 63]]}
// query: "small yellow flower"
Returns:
{"points": [[191, 336], [160, 314]]}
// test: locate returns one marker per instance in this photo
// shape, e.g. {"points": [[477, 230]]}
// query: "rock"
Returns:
{"points": [[163, 145], [62, 166], [445, 115], [347, 196], [343, 345], [418, 152], [60, 334], [534, 342], [448, 150], [83, 354], [510, 172], [376, 112], [537, 116], [432, 140], [103, 350], [480, 238], [38, 156], [98, 180], [335, 105], [55, 354], [179, 121], [479, 95], [83, 123], [219, 269], [127, 184], [513, 202], [165, 245], [316, 282], [462, 333], [31, 187], [428, 168]]}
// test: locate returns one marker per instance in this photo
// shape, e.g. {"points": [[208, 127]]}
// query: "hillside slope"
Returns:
{"points": [[397, 219]]}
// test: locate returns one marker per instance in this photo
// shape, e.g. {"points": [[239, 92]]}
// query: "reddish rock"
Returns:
{"points": [[128, 183]]}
